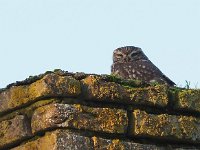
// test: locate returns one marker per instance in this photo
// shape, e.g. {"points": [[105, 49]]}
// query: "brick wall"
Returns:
{"points": [[60, 110]]}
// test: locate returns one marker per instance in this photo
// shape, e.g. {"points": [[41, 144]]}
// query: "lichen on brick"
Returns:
{"points": [[14, 130], [166, 126], [96, 89], [28, 110], [117, 144], [188, 99], [51, 85], [57, 140], [81, 111], [152, 95], [80, 117]]}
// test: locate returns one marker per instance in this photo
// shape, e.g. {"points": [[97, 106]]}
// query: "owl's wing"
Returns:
{"points": [[170, 82], [153, 73], [143, 70]]}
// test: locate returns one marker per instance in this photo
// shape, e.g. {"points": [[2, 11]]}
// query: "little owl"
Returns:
{"points": [[131, 63]]}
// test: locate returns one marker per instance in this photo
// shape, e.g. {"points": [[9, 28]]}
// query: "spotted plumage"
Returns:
{"points": [[131, 63]]}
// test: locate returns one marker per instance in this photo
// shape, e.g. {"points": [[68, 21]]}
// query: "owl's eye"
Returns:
{"points": [[120, 55]]}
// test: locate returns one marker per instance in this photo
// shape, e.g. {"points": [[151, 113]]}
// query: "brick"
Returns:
{"points": [[63, 139], [79, 117], [116, 144], [164, 126], [58, 140], [49, 85], [28, 111], [188, 100], [98, 90], [14, 130]]}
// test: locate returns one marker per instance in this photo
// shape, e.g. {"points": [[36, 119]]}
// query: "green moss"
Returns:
{"points": [[125, 82]]}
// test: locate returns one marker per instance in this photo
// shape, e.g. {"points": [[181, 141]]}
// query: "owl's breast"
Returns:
{"points": [[124, 70]]}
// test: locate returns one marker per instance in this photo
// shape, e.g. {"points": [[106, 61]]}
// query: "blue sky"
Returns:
{"points": [[80, 36]]}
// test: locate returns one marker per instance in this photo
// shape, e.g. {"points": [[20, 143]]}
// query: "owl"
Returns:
{"points": [[131, 63]]}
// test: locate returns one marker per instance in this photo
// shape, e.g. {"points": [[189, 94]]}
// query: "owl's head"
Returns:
{"points": [[128, 54]]}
